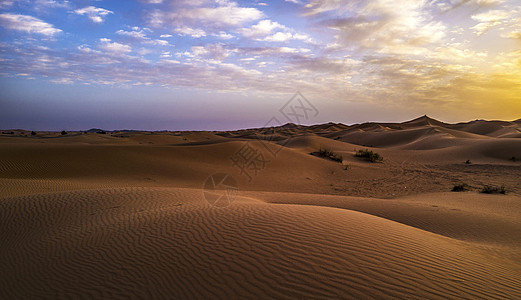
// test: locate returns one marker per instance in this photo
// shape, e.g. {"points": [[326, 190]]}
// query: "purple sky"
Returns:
{"points": [[181, 65]]}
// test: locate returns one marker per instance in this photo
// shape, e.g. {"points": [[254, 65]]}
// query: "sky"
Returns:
{"points": [[220, 65]]}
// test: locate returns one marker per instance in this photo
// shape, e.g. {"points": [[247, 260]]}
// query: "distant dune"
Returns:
{"points": [[122, 214]]}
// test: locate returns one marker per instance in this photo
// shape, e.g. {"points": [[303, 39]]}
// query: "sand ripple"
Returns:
{"points": [[169, 243]]}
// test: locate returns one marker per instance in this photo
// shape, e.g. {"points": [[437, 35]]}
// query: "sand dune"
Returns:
{"points": [[122, 214], [491, 222], [169, 243], [483, 127]]}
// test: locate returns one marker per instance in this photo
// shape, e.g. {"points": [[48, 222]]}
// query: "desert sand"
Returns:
{"points": [[126, 214]]}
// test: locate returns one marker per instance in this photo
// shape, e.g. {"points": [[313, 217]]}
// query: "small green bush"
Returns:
{"points": [[493, 190], [369, 155], [324, 152]]}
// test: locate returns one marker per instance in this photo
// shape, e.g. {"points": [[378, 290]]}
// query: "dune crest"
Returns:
{"points": [[123, 214], [168, 243]]}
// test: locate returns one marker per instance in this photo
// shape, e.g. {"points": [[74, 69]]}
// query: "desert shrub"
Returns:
{"points": [[33, 133], [369, 155], [64, 132], [513, 158], [324, 152], [493, 190], [468, 162], [460, 187]]}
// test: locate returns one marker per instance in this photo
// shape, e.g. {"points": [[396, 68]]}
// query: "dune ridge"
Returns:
{"points": [[157, 242], [122, 214]]}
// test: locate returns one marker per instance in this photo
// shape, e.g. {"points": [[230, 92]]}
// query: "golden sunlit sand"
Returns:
{"points": [[124, 214]]}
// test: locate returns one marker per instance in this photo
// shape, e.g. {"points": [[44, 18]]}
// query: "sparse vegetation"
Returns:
{"points": [[369, 155], [462, 187], [468, 162], [324, 152], [33, 133], [493, 190], [64, 132]]}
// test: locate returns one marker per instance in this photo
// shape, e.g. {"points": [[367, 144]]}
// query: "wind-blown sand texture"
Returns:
{"points": [[122, 214]]}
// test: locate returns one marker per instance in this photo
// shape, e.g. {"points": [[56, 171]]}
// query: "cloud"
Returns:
{"points": [[404, 27], [37, 5], [171, 61], [216, 52], [227, 14], [410, 53], [185, 30], [140, 35], [316, 7], [28, 24], [210, 15], [279, 37], [52, 3], [384, 79], [87, 49], [448, 6], [136, 33], [6, 3], [513, 35], [488, 20], [342, 66], [113, 47], [96, 14], [489, 2], [272, 52], [286, 36], [262, 28], [224, 35]]}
